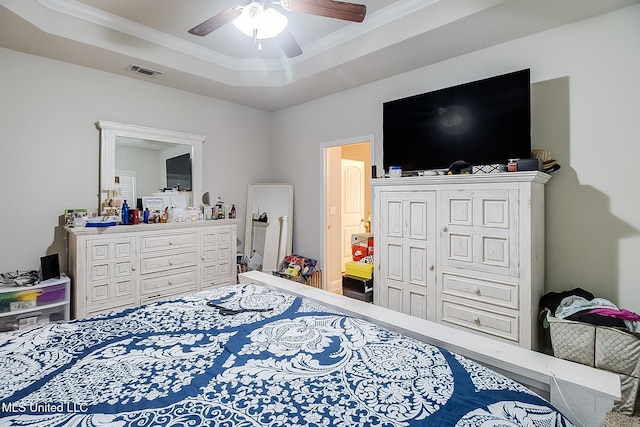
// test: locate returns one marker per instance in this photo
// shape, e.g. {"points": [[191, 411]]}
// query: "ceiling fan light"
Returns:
{"points": [[268, 23], [272, 24]]}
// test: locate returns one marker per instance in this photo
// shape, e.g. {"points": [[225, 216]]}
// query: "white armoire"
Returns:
{"points": [[463, 250]]}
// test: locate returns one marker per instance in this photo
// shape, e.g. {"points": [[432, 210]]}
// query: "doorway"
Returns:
{"points": [[347, 202]]}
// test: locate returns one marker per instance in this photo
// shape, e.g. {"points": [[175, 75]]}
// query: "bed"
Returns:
{"points": [[254, 354]]}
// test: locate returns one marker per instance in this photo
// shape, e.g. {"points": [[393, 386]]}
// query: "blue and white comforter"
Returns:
{"points": [[185, 363]]}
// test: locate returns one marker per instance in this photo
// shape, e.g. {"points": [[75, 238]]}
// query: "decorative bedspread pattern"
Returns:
{"points": [[188, 362]]}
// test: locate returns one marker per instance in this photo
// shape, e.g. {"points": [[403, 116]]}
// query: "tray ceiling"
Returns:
{"points": [[395, 37]]}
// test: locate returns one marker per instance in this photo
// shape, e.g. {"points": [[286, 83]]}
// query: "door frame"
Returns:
{"points": [[323, 191]]}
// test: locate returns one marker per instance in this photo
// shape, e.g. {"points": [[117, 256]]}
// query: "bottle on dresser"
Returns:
{"points": [[125, 213]]}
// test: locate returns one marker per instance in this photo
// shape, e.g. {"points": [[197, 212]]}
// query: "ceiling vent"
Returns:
{"points": [[144, 71]]}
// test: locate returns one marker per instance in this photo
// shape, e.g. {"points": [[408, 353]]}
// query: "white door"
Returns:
{"points": [[352, 203]]}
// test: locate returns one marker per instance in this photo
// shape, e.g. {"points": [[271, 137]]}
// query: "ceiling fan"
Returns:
{"points": [[260, 21]]}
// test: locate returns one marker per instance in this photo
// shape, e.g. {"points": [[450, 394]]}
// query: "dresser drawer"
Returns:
{"points": [[168, 261], [165, 295], [494, 292], [185, 279], [501, 325], [162, 242]]}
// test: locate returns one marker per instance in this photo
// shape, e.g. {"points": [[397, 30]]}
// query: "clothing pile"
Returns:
{"points": [[582, 306]]}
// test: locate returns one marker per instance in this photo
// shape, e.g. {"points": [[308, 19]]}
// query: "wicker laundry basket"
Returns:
{"points": [[602, 347]]}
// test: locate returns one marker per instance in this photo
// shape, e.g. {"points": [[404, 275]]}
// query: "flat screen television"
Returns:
{"points": [[179, 172], [483, 122]]}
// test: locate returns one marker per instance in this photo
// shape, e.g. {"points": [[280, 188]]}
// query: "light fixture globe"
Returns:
{"points": [[260, 23]]}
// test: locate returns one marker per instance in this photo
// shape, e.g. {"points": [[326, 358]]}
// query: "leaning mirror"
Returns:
{"points": [[138, 162], [269, 225]]}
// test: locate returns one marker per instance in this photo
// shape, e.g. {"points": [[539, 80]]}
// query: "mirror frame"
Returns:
{"points": [[249, 217], [110, 131]]}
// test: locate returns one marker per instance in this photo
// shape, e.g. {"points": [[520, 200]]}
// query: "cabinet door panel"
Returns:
{"points": [[416, 214], [217, 237], [393, 296], [494, 250], [110, 294], [100, 272], [417, 257], [479, 230], [123, 249], [460, 247], [99, 292], [123, 268], [123, 288], [416, 302], [99, 251], [459, 210], [394, 222], [394, 261], [494, 211]]}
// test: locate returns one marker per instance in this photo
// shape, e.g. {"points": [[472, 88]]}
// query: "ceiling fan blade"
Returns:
{"points": [[216, 21], [329, 8], [288, 44]]}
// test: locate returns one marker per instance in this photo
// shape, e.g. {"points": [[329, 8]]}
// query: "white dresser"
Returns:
{"points": [[129, 265], [463, 250]]}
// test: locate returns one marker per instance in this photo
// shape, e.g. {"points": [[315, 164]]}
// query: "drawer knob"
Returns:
{"points": [[170, 242], [476, 290], [432, 267], [170, 262], [475, 319], [445, 229], [170, 282]]}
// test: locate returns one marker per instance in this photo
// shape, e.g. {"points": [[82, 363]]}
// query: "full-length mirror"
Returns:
{"points": [[138, 162], [269, 225]]}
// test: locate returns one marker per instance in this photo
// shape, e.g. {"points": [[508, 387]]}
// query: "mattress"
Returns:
{"points": [[247, 355]]}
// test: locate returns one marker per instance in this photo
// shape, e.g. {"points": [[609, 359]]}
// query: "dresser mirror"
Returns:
{"points": [[269, 225], [133, 163]]}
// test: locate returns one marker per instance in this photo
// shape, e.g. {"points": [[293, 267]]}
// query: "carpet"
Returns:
{"points": [[616, 419]]}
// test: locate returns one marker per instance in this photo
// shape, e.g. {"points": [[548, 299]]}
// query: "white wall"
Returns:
{"points": [[586, 110], [49, 145]]}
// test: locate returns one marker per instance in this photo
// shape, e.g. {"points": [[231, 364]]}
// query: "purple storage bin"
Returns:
{"points": [[51, 294]]}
